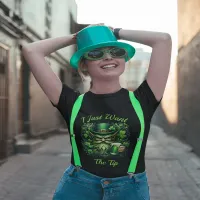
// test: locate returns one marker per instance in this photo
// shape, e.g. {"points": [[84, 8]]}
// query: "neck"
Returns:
{"points": [[105, 87]]}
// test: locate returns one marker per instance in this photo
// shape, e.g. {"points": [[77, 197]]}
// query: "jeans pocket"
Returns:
{"points": [[66, 175], [141, 183], [142, 188]]}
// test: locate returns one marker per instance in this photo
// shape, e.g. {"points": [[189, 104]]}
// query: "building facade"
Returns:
{"points": [[136, 70], [25, 109]]}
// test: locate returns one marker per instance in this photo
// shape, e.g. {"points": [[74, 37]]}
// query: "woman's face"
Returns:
{"points": [[105, 68]]}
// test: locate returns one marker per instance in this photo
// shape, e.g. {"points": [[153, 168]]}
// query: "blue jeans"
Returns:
{"points": [[82, 185]]}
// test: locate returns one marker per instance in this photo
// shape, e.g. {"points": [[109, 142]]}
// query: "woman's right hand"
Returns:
{"points": [[35, 53]]}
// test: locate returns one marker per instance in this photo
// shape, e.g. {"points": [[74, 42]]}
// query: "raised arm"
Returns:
{"points": [[160, 58], [35, 53]]}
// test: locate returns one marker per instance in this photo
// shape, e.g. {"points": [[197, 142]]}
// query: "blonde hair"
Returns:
{"points": [[83, 71]]}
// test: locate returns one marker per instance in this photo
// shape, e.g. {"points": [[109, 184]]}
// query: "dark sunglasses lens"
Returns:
{"points": [[118, 52], [95, 54]]}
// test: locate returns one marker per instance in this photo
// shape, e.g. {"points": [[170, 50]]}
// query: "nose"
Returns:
{"points": [[107, 56]]}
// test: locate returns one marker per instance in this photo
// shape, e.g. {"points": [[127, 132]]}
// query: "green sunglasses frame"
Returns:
{"points": [[104, 50]]}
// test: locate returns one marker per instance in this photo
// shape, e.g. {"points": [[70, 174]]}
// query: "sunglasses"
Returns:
{"points": [[98, 54]]}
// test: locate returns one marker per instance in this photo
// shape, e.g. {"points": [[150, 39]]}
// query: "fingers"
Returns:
{"points": [[74, 36], [102, 24], [111, 28], [99, 24]]}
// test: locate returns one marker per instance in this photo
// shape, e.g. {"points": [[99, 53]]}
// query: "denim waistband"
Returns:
{"points": [[105, 182]]}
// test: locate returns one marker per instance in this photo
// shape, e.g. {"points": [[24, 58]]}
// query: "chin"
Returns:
{"points": [[115, 73], [111, 75]]}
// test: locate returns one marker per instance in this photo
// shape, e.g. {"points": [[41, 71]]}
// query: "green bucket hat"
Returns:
{"points": [[94, 37]]}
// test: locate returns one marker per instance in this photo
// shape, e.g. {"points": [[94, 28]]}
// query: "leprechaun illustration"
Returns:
{"points": [[105, 139]]}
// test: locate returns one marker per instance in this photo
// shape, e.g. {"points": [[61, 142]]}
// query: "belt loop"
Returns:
{"points": [[72, 172], [78, 168], [130, 175]]}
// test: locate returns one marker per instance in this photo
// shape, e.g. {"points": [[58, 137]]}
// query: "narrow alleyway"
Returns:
{"points": [[173, 170]]}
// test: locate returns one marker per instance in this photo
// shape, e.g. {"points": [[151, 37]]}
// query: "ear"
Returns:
{"points": [[83, 65]]}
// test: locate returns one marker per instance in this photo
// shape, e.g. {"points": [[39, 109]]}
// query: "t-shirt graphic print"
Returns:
{"points": [[105, 139]]}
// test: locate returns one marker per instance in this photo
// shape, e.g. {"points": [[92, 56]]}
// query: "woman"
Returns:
{"points": [[109, 125]]}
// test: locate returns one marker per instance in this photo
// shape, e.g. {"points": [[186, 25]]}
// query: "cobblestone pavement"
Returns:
{"points": [[173, 170]]}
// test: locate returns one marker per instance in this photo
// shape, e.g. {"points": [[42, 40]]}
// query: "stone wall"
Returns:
{"points": [[179, 113]]}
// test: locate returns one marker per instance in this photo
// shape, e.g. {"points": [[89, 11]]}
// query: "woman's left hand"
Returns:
{"points": [[99, 24], [111, 28]]}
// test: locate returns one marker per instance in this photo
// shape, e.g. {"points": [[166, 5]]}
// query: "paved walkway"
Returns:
{"points": [[173, 170]]}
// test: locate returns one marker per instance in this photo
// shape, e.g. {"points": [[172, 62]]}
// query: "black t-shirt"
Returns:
{"points": [[107, 128]]}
